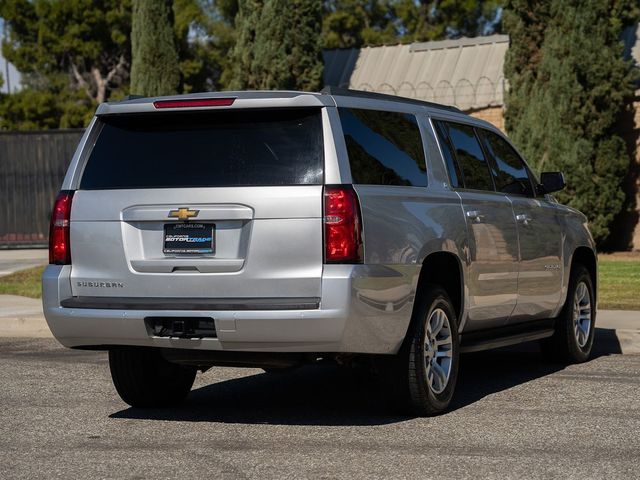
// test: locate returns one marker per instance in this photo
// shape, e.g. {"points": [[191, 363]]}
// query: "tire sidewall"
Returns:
{"points": [[437, 298], [580, 354]]}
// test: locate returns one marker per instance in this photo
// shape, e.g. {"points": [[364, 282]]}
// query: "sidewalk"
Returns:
{"points": [[624, 325], [19, 259], [618, 330], [22, 317]]}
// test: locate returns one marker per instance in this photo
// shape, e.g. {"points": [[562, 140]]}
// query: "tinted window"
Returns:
{"points": [[455, 176], [231, 148], [509, 171], [385, 148], [470, 157]]}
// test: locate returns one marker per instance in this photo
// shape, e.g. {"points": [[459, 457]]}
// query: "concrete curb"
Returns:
{"points": [[617, 331]]}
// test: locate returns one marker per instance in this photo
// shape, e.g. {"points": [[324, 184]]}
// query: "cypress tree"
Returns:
{"points": [[154, 68], [278, 45], [525, 21], [568, 87]]}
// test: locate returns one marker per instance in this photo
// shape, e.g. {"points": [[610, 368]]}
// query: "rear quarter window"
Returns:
{"points": [[384, 148], [207, 149]]}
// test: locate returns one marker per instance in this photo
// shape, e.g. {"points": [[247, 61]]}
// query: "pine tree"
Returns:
{"points": [[568, 87], [277, 45], [154, 69]]}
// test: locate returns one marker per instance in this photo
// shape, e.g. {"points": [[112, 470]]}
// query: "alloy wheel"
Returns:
{"points": [[582, 314], [438, 350]]}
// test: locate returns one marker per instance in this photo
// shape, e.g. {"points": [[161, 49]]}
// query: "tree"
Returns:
{"points": [[575, 84], [427, 20], [277, 45], [71, 55], [204, 37], [87, 39], [357, 23], [154, 68], [526, 22], [75, 54]]}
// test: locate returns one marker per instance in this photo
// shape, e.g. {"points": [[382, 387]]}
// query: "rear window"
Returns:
{"points": [[207, 149], [384, 148]]}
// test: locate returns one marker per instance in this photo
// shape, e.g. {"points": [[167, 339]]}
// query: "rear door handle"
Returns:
{"points": [[523, 218], [475, 215]]}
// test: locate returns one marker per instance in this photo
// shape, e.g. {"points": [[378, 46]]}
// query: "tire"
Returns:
{"points": [[421, 390], [144, 379], [572, 341]]}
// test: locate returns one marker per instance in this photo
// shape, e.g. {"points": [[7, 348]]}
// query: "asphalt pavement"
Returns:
{"points": [[514, 416]]}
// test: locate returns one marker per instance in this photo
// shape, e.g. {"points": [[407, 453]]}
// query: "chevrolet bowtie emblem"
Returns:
{"points": [[183, 213]]}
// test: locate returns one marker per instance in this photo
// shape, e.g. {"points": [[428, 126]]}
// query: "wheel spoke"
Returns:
{"points": [[437, 321], [443, 353], [441, 376], [582, 314]]}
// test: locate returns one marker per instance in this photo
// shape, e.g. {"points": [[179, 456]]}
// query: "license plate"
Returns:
{"points": [[189, 238]]}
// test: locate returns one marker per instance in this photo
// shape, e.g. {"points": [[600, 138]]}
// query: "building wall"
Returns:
{"points": [[493, 115]]}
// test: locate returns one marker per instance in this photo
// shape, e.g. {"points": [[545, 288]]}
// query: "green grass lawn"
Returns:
{"points": [[619, 282], [24, 282]]}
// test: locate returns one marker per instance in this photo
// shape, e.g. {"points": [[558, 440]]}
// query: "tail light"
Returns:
{"points": [[59, 247], [342, 225]]}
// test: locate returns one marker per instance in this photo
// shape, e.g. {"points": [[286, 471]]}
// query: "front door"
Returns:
{"points": [[541, 266]]}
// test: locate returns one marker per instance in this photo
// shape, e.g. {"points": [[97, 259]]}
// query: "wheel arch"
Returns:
{"points": [[444, 269], [587, 257]]}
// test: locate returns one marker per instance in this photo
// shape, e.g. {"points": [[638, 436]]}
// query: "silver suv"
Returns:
{"points": [[273, 229]]}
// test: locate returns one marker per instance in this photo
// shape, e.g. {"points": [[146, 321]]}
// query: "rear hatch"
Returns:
{"points": [[207, 204]]}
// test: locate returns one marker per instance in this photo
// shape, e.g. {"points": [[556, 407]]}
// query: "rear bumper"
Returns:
{"points": [[344, 320]]}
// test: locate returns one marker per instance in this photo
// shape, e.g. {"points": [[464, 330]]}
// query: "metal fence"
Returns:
{"points": [[32, 167], [463, 94]]}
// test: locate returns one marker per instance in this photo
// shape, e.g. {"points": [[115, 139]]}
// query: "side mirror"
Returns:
{"points": [[552, 181]]}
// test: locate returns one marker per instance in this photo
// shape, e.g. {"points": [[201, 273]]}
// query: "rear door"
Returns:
{"points": [[493, 243], [224, 204], [539, 232]]}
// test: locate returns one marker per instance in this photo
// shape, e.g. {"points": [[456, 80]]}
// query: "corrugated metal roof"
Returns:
{"points": [[466, 72]]}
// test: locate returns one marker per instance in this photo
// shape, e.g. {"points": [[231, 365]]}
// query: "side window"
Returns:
{"points": [[470, 157], [385, 148], [455, 175], [509, 171]]}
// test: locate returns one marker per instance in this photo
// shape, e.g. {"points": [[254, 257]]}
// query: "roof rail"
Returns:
{"points": [[346, 92]]}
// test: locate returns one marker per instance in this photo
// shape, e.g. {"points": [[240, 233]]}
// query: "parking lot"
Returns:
{"points": [[514, 417]]}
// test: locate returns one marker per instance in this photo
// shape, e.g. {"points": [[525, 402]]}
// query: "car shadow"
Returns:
{"points": [[326, 394]]}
